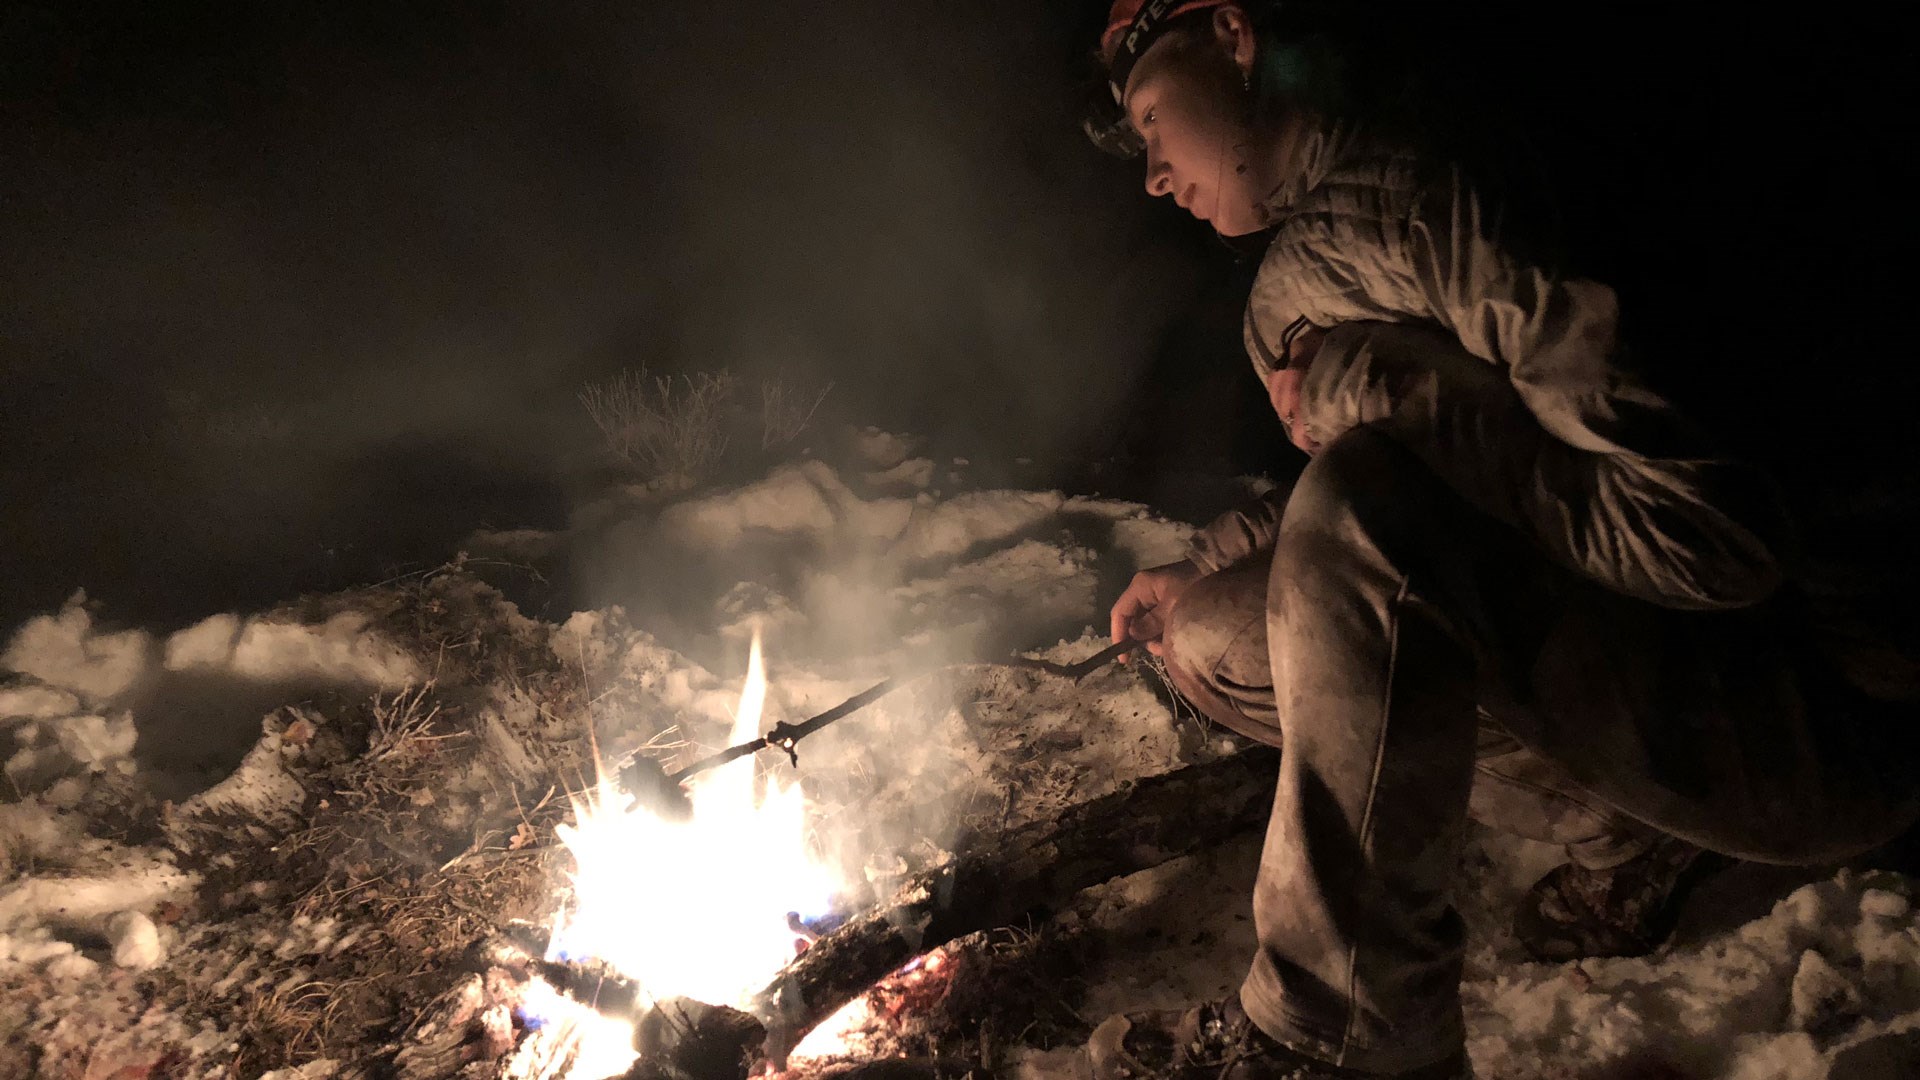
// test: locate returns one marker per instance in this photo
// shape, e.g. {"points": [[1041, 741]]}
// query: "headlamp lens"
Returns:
{"points": [[1107, 126]]}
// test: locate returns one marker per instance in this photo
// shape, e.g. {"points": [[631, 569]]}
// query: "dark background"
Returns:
{"points": [[295, 294]]}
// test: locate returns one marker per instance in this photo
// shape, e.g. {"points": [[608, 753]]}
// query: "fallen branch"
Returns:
{"points": [[1000, 881]]}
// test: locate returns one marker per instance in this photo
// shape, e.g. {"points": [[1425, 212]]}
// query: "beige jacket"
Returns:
{"points": [[1510, 382]]}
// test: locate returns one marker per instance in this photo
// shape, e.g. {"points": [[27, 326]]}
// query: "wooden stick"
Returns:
{"points": [[784, 735]]}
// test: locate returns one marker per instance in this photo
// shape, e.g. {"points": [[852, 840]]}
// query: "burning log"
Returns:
{"points": [[996, 882], [692, 1040]]}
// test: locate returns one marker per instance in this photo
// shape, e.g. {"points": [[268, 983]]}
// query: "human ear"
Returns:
{"points": [[1234, 33]]}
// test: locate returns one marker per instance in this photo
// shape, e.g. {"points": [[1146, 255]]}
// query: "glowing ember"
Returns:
{"points": [[915, 988], [695, 908]]}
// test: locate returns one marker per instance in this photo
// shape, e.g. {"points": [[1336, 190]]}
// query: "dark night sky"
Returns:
{"points": [[284, 277], [289, 290]]}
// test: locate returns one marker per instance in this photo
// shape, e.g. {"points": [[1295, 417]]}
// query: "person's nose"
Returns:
{"points": [[1159, 174]]}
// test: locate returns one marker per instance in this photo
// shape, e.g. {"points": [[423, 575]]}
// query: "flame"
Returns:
{"points": [[571, 1035], [695, 908]]}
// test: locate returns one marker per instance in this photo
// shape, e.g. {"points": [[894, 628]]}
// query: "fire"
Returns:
{"points": [[695, 908], [590, 1045]]}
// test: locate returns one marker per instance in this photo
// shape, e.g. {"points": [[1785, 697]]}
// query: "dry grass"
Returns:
{"points": [[375, 862], [424, 825], [413, 840], [668, 427], [401, 722], [663, 426], [786, 411]]}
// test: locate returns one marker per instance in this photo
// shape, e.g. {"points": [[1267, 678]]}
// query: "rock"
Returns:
{"points": [[1824, 1001], [136, 941]]}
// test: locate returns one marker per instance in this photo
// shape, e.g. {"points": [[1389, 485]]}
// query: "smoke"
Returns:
{"points": [[292, 290]]}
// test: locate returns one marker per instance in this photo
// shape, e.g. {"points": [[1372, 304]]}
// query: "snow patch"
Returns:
{"points": [[64, 651], [1150, 540], [795, 501], [948, 530], [913, 474], [50, 749], [135, 940], [879, 449], [1782, 996], [36, 701], [341, 649], [88, 902]]}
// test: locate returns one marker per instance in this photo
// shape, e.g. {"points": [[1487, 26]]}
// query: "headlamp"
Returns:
{"points": [[1107, 126], [1106, 122]]}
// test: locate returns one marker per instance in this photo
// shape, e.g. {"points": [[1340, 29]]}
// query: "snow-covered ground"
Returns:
{"points": [[261, 843]]}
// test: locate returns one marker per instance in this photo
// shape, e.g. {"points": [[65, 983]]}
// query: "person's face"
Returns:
{"points": [[1188, 104]]}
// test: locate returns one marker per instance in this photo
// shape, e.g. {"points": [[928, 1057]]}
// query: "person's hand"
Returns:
{"points": [[1142, 610], [1283, 387]]}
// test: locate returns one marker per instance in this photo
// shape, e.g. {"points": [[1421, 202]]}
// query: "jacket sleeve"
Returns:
{"points": [[1519, 400], [1557, 338], [1239, 534]]}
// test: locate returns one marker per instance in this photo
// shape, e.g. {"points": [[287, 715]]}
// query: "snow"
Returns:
{"points": [[86, 900], [1813, 980], [878, 564], [877, 449], [87, 742], [36, 701], [135, 940], [64, 651], [339, 649]]}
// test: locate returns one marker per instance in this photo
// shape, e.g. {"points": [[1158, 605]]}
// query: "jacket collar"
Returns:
{"points": [[1308, 149]]}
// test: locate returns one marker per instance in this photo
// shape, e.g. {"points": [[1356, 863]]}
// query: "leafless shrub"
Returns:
{"points": [[785, 411], [661, 425]]}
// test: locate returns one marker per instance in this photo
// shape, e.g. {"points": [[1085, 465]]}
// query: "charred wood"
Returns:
{"points": [[999, 880]]}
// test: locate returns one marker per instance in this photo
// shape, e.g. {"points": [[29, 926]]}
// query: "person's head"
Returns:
{"points": [[1210, 90], [1185, 82]]}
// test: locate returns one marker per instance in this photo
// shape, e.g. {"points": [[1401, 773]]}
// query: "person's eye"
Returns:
{"points": [[1147, 117]]}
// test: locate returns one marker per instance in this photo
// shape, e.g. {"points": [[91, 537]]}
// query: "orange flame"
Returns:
{"points": [[695, 908]]}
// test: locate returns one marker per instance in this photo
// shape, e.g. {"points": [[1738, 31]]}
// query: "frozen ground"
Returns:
{"points": [[260, 845]]}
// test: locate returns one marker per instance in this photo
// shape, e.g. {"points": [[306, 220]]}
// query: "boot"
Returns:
{"points": [[1575, 913], [1217, 1041]]}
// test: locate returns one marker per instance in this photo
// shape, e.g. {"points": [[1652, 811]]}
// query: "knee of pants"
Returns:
{"points": [[1212, 618], [1363, 491]]}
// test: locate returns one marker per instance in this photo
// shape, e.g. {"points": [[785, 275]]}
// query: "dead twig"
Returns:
{"points": [[785, 412], [400, 720]]}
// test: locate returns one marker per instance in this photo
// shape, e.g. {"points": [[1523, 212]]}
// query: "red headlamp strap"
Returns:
{"points": [[1147, 26]]}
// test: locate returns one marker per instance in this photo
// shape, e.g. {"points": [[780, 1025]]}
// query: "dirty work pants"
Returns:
{"points": [[1405, 631], [1218, 659]]}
